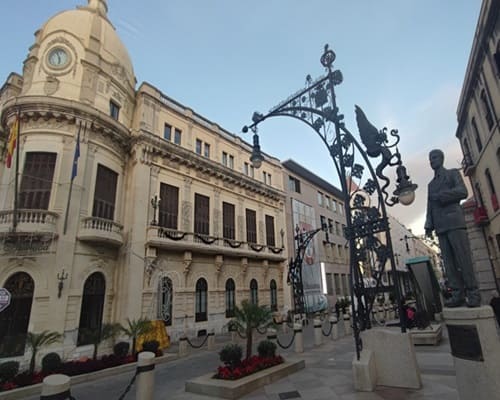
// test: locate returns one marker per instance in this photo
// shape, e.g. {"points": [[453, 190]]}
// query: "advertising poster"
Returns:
{"points": [[304, 218]]}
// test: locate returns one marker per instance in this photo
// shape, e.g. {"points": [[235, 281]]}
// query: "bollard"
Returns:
{"points": [[145, 382], [317, 331], [211, 341], [56, 387], [183, 347], [271, 334], [347, 324], [335, 328], [299, 340]]}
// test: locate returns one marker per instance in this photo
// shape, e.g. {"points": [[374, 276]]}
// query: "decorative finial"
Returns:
{"points": [[99, 5]]}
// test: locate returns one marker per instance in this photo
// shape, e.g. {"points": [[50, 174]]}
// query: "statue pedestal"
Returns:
{"points": [[388, 359], [475, 347]]}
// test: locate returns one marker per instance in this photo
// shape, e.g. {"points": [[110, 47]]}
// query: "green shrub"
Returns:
{"points": [[51, 362], [231, 355], [151, 345], [266, 348], [121, 349], [8, 370]]}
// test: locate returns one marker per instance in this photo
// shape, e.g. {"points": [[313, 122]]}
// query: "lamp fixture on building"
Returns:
{"points": [[61, 277]]}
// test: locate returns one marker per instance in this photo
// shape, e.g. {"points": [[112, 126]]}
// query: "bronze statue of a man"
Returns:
{"points": [[446, 217]]}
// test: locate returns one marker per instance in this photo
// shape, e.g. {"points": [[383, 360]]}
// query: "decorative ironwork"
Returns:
{"points": [[24, 243], [302, 240], [367, 228]]}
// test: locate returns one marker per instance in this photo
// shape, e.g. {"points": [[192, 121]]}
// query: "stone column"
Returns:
{"points": [[475, 348], [56, 386], [335, 328], [211, 341], [299, 340], [317, 332], [145, 383]]}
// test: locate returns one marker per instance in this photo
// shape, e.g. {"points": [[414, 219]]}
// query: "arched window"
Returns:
{"points": [[201, 300], [493, 193], [92, 307], [230, 288], [165, 298], [230, 302], [274, 296], [254, 292], [487, 109], [15, 318], [477, 138]]}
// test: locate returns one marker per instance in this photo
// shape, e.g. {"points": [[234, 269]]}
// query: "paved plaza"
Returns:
{"points": [[327, 375]]}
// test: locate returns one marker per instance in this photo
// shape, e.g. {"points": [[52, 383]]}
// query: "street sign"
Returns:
{"points": [[4, 299]]}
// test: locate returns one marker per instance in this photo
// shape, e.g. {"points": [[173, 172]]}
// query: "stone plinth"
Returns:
{"points": [[429, 336], [227, 389], [389, 360], [475, 348]]}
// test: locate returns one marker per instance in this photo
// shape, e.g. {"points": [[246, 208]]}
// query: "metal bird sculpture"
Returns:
{"points": [[375, 142]]}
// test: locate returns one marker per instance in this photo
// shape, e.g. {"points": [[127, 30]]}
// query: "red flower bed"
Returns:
{"points": [[69, 368], [247, 367]]}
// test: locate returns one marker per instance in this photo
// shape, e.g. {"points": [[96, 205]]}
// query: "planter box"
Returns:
{"points": [[229, 389]]}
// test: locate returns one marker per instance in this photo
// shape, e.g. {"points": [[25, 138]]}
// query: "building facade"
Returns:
{"points": [[128, 204], [313, 203], [479, 135]]}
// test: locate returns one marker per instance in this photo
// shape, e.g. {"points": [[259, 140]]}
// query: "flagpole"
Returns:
{"points": [[72, 178], [16, 179]]}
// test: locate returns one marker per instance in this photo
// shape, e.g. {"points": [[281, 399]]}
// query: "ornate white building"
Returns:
{"points": [[165, 217]]}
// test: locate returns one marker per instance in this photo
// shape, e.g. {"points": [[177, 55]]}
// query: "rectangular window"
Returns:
{"points": [[336, 280], [177, 136], [206, 152], [167, 132], [341, 252], [341, 209], [224, 158], [252, 174], [36, 181], [228, 218], [329, 284], [201, 214], [328, 202], [337, 228], [251, 219], [321, 200], [114, 110], [270, 240], [322, 220], [105, 193], [169, 206], [334, 205], [198, 146], [293, 184], [330, 226], [245, 169], [231, 161]]}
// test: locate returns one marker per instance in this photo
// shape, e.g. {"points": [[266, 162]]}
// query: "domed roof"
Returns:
{"points": [[89, 23]]}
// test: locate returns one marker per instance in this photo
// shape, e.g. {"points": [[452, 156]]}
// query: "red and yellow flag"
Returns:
{"points": [[12, 142]]}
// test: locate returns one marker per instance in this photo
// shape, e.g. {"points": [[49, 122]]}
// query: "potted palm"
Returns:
{"points": [[38, 340], [135, 328]]}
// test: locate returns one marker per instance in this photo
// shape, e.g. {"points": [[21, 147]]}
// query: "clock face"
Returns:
{"points": [[58, 57]]}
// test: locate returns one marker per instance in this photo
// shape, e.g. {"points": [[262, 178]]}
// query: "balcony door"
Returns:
{"points": [[105, 193]]}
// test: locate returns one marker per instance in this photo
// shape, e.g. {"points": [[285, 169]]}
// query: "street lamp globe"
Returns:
{"points": [[407, 196]]}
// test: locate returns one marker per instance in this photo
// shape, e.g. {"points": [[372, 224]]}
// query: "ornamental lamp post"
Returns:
{"points": [[365, 199]]}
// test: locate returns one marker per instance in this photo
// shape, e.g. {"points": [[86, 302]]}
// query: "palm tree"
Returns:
{"points": [[136, 328], [107, 331], [38, 340], [249, 317]]}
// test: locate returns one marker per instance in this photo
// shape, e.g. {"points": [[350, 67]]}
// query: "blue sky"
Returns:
{"points": [[403, 62]]}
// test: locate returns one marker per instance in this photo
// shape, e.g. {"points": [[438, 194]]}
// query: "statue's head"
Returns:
{"points": [[436, 159]]}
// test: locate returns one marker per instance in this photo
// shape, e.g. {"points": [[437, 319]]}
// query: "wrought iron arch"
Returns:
{"points": [[367, 228], [201, 300], [165, 299], [230, 297], [254, 292]]}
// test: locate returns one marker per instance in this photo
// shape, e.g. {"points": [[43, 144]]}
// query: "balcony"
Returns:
{"points": [[171, 239], [468, 165], [480, 216], [100, 230], [29, 221]]}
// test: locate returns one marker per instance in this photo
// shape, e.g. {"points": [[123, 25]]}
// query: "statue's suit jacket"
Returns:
{"points": [[445, 213]]}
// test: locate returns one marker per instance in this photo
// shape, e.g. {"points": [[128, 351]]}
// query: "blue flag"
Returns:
{"points": [[77, 155]]}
